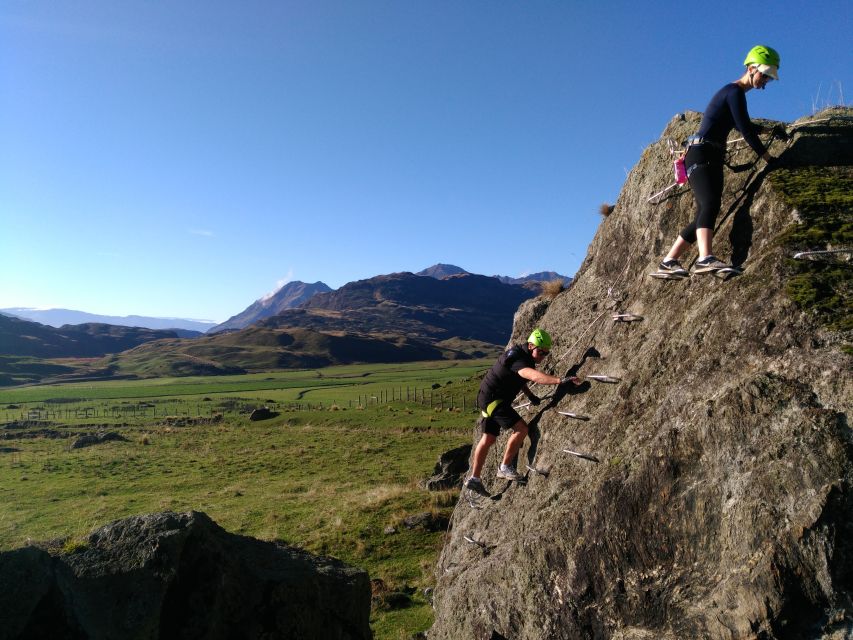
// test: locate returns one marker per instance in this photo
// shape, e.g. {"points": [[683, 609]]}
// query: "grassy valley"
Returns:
{"points": [[339, 464]]}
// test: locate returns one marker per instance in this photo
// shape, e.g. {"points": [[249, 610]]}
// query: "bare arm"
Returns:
{"points": [[529, 373]]}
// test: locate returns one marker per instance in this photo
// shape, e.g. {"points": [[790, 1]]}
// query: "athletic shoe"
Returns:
{"points": [[508, 472], [709, 264], [672, 267], [476, 485]]}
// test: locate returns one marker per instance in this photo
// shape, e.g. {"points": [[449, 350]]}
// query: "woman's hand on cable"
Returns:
{"points": [[780, 132]]}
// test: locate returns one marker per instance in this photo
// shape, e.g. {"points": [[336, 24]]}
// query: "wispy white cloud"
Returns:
{"points": [[278, 285], [201, 232]]}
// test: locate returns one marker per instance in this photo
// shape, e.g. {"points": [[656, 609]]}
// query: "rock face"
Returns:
{"points": [[171, 575], [722, 506]]}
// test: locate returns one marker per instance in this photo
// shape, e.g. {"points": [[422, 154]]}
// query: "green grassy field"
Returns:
{"points": [[329, 479]]}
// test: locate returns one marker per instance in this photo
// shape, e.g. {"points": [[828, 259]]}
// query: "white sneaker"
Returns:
{"points": [[508, 472]]}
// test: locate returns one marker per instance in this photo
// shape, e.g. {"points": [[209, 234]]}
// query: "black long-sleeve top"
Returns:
{"points": [[725, 111]]}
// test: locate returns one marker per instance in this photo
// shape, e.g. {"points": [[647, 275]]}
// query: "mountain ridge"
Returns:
{"points": [[288, 296]]}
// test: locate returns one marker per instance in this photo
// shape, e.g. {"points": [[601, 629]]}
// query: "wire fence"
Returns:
{"points": [[59, 411]]}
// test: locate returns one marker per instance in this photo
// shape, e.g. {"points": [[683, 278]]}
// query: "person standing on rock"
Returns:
{"points": [[501, 384], [705, 155]]}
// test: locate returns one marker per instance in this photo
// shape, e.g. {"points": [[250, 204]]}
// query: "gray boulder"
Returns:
{"points": [[263, 413], [96, 438], [449, 469], [169, 575]]}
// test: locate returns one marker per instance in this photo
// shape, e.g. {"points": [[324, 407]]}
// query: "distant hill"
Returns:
{"points": [[466, 306], [399, 317], [295, 294], [440, 271], [24, 338], [60, 317], [541, 276], [289, 296], [260, 348]]}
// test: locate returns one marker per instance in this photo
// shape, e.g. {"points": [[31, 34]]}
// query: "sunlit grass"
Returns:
{"points": [[327, 481]]}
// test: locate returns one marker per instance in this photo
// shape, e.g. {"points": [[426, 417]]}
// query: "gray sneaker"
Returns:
{"points": [[672, 267], [508, 472], [476, 485], [709, 264]]}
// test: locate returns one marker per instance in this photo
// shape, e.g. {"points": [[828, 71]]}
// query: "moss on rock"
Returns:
{"points": [[823, 198]]}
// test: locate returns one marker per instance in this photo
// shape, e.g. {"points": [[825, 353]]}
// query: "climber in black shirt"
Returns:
{"points": [[501, 384], [705, 155]]}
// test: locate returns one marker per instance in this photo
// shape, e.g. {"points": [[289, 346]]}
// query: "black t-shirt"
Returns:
{"points": [[502, 380], [727, 110]]}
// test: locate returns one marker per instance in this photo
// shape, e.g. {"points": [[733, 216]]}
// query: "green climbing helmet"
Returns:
{"points": [[765, 58], [540, 338]]}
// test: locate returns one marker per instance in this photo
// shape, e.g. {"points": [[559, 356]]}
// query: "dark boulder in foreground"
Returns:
{"points": [[169, 575]]}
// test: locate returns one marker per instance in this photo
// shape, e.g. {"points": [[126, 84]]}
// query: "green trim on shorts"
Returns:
{"points": [[490, 408]]}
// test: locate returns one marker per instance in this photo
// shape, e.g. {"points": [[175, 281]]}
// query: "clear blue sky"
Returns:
{"points": [[183, 158]]}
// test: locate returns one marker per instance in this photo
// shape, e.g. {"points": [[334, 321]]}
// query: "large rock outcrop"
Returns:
{"points": [[722, 506], [170, 575]]}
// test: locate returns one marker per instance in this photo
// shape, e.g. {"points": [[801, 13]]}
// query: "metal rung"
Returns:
{"points": [[541, 472], [600, 378], [585, 456], [805, 254], [576, 416], [471, 540], [626, 317]]}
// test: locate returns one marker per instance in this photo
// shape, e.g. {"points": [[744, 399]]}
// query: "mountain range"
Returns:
{"points": [[295, 294], [60, 317], [443, 312], [290, 296], [400, 317]]}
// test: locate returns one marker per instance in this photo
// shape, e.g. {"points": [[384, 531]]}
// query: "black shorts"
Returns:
{"points": [[503, 417]]}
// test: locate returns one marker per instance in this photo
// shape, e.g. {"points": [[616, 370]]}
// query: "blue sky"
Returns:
{"points": [[185, 158]]}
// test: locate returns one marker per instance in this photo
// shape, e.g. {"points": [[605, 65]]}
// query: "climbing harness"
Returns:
{"points": [[682, 173]]}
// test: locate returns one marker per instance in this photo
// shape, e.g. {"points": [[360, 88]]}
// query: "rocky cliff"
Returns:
{"points": [[172, 575], [721, 504]]}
